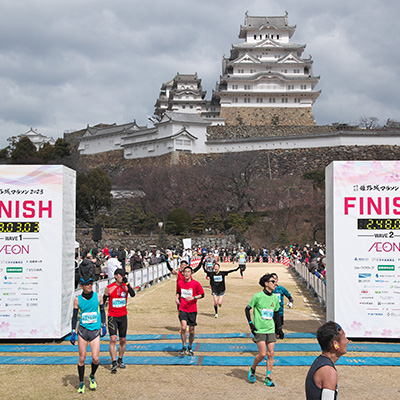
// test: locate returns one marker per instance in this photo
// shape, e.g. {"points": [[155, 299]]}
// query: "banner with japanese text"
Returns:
{"points": [[37, 241], [363, 247]]}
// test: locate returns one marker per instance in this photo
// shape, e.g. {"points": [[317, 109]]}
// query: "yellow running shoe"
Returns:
{"points": [[81, 388], [93, 383]]}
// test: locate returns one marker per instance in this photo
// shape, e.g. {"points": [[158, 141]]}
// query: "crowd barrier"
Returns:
{"points": [[139, 278], [314, 283]]}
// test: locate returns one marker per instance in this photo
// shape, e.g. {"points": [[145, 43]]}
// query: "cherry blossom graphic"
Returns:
{"points": [[4, 326], [387, 332], [356, 326]]}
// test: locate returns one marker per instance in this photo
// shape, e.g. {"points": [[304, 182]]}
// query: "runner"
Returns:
{"points": [[209, 263], [217, 281], [188, 292], [92, 325], [281, 291], [242, 258], [322, 377], [117, 316], [266, 327]]}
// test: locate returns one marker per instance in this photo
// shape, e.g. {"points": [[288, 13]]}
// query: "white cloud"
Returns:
{"points": [[65, 64]]}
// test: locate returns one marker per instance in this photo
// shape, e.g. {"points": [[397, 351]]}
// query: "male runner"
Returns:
{"points": [[322, 377], [242, 258], [281, 291], [92, 325], [217, 282], [266, 327], [117, 316], [188, 292]]}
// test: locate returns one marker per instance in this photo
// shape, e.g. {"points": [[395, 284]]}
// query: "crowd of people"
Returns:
{"points": [[264, 312]]}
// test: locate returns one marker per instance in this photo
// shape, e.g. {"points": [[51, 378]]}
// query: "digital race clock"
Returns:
{"points": [[379, 223], [19, 227]]}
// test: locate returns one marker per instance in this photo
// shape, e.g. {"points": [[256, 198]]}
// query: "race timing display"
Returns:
{"points": [[19, 227], [379, 223]]}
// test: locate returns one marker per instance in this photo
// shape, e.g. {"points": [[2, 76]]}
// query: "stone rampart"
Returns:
{"points": [[268, 116]]}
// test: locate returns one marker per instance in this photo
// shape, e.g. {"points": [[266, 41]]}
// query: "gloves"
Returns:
{"points": [[73, 338], [103, 330], [125, 279], [279, 333], [290, 304], [252, 328]]}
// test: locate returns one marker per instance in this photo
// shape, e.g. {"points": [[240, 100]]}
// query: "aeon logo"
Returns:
{"points": [[385, 247], [14, 249]]}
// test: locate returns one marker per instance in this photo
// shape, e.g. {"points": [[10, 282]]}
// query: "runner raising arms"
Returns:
{"points": [[217, 282], [92, 325]]}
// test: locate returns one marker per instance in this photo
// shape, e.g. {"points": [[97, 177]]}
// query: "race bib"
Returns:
{"points": [[186, 293], [89, 318], [267, 313], [217, 278], [118, 303]]}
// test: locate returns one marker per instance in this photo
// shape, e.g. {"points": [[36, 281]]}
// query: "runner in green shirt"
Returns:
{"points": [[266, 325]]}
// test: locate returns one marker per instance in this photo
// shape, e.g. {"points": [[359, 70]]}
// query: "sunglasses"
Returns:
{"points": [[88, 284], [272, 281]]}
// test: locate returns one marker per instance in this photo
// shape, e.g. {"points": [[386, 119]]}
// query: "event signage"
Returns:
{"points": [[363, 247], [37, 243]]}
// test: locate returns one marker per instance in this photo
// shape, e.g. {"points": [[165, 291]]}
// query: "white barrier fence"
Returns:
{"points": [[139, 278], [314, 283]]}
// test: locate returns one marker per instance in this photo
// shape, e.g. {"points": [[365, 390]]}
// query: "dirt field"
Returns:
{"points": [[153, 311]]}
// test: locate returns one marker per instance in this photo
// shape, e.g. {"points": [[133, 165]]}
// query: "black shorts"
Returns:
{"points": [[242, 267], [118, 324], [88, 335], [190, 318]]}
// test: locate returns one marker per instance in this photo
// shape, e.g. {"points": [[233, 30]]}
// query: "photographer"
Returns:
{"points": [[117, 316]]}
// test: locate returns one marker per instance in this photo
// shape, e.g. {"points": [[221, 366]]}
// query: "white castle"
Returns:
{"points": [[264, 83]]}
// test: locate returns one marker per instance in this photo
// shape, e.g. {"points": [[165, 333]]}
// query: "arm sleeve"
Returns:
{"points": [[168, 265], [327, 394], [247, 312], [131, 291], [201, 264], [232, 270], [102, 314], [277, 320], [105, 297], [74, 318], [287, 293]]}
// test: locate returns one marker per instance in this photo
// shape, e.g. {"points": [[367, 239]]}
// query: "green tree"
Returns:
{"points": [[62, 148], [181, 218], [93, 194], [282, 239], [199, 223], [24, 152], [236, 222], [46, 152]]}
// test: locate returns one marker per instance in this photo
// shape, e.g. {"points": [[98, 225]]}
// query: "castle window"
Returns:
{"points": [[255, 37], [183, 107], [259, 100], [284, 99], [272, 36], [277, 36], [303, 87], [272, 99], [235, 100]]}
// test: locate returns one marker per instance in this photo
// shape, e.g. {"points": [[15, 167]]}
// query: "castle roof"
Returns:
{"points": [[172, 116], [112, 129], [253, 24]]}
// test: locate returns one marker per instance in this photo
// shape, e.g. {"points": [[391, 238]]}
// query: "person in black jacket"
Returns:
{"points": [[217, 282]]}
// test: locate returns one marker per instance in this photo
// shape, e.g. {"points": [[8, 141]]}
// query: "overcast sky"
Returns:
{"points": [[68, 63]]}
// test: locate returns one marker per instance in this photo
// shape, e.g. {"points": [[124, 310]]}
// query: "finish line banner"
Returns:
{"points": [[37, 242], [363, 247]]}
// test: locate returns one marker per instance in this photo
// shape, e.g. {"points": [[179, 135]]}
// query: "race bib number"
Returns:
{"points": [[119, 303], [89, 318], [217, 278], [267, 313], [186, 293]]}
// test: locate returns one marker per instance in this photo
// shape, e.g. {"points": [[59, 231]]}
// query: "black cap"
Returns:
{"points": [[119, 271]]}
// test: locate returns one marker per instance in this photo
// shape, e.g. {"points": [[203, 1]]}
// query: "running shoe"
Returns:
{"points": [[81, 388], [268, 382], [216, 315], [251, 376], [93, 383], [242, 277], [190, 352], [120, 364], [182, 352], [114, 368]]}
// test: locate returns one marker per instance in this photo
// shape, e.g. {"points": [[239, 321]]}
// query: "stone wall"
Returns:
{"points": [[268, 116], [114, 238]]}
